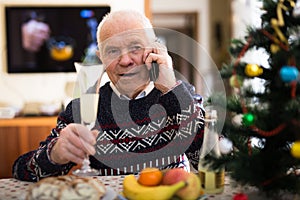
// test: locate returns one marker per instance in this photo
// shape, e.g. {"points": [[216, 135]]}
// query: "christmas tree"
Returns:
{"points": [[270, 115]]}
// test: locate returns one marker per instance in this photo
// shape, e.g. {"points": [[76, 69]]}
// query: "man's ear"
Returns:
{"points": [[98, 54]]}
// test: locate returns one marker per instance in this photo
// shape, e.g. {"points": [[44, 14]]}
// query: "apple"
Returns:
{"points": [[172, 176], [193, 189]]}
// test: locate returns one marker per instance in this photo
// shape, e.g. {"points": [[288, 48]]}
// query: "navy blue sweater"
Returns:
{"points": [[159, 130]]}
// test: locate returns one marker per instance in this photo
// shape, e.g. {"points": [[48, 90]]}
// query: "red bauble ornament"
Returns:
{"points": [[240, 196]]}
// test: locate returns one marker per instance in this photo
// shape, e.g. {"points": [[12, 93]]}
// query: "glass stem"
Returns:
{"points": [[86, 163]]}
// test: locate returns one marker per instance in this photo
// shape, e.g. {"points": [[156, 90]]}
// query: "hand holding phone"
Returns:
{"points": [[154, 71]]}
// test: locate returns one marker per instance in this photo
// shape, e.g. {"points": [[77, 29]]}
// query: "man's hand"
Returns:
{"points": [[34, 34], [74, 143], [166, 77]]}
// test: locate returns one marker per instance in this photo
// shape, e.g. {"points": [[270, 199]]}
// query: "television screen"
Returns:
{"points": [[51, 39]]}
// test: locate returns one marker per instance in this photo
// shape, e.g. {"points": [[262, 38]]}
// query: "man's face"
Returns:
{"points": [[123, 56]]}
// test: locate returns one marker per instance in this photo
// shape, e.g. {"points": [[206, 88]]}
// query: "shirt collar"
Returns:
{"points": [[142, 94]]}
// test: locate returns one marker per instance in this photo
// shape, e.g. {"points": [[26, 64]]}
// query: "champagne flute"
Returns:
{"points": [[88, 75]]}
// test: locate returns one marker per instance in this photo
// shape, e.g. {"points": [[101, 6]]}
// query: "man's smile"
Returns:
{"points": [[127, 74]]}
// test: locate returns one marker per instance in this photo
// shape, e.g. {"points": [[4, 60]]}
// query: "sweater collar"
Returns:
{"points": [[142, 94]]}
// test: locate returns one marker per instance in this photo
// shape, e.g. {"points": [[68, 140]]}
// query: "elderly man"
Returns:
{"points": [[140, 122]]}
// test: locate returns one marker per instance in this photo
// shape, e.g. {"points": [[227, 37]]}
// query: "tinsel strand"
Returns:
{"points": [[275, 40], [269, 133]]}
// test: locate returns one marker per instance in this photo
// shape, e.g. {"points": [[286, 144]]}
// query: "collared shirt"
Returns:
{"points": [[142, 94]]}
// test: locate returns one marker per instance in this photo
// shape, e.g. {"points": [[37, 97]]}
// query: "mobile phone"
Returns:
{"points": [[154, 71]]}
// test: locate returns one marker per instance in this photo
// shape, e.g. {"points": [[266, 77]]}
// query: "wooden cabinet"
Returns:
{"points": [[20, 135]]}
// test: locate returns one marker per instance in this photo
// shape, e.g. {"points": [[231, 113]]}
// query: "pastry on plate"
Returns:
{"points": [[67, 187]]}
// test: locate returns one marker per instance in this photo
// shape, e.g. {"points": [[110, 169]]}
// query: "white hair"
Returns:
{"points": [[131, 14]]}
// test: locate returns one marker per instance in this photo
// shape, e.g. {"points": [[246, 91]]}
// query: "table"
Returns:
{"points": [[12, 189]]}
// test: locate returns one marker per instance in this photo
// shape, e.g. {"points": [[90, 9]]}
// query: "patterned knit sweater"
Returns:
{"points": [[159, 130]]}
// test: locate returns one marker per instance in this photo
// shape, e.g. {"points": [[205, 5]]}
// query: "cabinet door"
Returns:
{"points": [[19, 136], [9, 150]]}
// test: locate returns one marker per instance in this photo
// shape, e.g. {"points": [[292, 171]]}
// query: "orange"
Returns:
{"points": [[150, 176]]}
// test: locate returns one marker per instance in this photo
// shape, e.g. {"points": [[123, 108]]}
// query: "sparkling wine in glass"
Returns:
{"points": [[89, 77]]}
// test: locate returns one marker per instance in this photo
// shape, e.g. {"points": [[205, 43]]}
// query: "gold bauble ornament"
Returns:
{"points": [[295, 149], [253, 70]]}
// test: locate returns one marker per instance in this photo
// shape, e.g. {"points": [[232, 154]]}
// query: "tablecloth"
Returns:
{"points": [[12, 189]]}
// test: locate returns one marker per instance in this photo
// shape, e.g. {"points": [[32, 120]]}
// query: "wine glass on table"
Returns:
{"points": [[89, 77]]}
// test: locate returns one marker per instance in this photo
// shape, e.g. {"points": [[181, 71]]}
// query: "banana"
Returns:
{"points": [[135, 191]]}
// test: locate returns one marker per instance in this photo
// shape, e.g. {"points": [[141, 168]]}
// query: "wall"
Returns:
{"points": [[47, 88], [199, 6], [206, 75]]}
